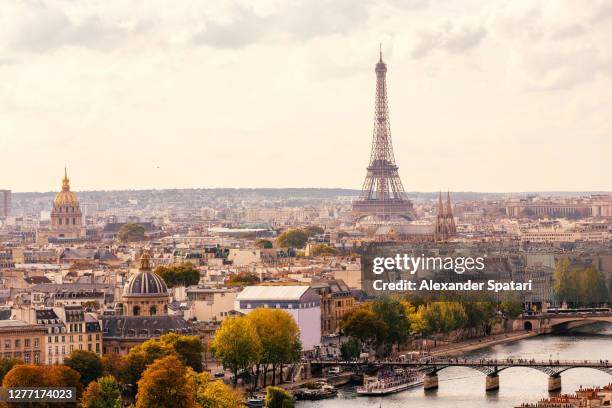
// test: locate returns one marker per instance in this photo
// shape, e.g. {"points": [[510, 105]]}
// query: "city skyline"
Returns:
{"points": [[181, 99]]}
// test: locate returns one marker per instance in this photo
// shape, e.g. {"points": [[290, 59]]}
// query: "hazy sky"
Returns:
{"points": [[484, 95]]}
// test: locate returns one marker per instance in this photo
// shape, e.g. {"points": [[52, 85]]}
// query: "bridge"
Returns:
{"points": [[491, 368], [550, 322]]}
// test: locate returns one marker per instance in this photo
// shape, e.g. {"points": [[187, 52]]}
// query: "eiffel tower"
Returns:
{"points": [[382, 196]]}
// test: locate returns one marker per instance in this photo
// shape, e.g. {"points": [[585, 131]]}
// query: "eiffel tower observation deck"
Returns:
{"points": [[382, 196]]}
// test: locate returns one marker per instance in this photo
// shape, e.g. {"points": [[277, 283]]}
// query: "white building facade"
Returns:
{"points": [[301, 302]]}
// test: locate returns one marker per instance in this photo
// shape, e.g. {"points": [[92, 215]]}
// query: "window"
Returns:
{"points": [[17, 343], [26, 343], [7, 344], [89, 337], [136, 311], [36, 343], [153, 311]]}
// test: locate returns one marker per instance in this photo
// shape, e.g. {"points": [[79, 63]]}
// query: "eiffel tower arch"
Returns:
{"points": [[382, 196]]}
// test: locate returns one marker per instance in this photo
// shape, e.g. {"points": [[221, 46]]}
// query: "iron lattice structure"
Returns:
{"points": [[382, 195]]}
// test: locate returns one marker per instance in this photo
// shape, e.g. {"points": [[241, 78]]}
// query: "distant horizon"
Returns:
{"points": [[526, 192]]}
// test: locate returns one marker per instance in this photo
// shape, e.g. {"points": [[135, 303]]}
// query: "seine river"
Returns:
{"points": [[461, 387]]}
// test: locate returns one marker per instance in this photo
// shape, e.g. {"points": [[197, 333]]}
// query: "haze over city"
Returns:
{"points": [[483, 96]]}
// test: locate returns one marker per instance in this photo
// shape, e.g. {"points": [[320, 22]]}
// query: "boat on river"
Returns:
{"points": [[390, 382]]}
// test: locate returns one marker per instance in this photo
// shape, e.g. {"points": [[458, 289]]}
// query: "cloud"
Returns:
{"points": [[449, 38], [553, 45], [244, 28], [38, 26]]}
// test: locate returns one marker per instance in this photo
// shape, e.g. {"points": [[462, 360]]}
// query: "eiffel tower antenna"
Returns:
{"points": [[382, 195]]}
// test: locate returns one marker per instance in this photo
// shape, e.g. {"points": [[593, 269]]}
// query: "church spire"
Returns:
{"points": [[65, 181]]}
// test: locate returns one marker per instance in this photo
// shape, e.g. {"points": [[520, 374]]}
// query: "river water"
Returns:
{"points": [[461, 387]]}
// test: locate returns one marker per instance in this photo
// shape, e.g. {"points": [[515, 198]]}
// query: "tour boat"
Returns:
{"points": [[385, 384]]}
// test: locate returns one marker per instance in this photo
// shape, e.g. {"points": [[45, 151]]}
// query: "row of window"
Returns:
{"points": [[57, 349], [71, 337], [17, 343], [67, 209], [26, 357], [67, 222], [282, 306]]}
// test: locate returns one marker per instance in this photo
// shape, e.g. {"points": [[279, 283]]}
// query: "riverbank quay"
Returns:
{"points": [[479, 343]]}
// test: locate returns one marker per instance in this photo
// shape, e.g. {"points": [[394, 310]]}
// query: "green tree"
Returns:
{"points": [[292, 238], [510, 306], [313, 230], [130, 232], [237, 345], [264, 244], [188, 348], [165, 384], [6, 364], [278, 398], [87, 363], [393, 314], [565, 286], [351, 349], [593, 290], [363, 324], [103, 393], [179, 275]]}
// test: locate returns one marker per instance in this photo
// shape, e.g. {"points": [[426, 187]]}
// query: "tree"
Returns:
{"points": [[393, 314], [130, 232], [292, 238], [139, 357], [264, 244], [510, 306], [165, 384], [242, 279], [211, 393], [188, 348], [323, 250], [280, 339], [87, 363], [103, 393], [237, 345], [179, 275], [313, 230], [351, 349], [112, 364], [6, 364], [593, 289], [29, 375], [278, 398], [362, 324], [566, 286]]}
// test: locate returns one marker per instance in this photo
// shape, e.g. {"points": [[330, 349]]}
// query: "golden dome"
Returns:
{"points": [[65, 197]]}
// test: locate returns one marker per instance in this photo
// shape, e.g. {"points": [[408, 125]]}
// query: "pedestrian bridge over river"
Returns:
{"points": [[491, 368]]}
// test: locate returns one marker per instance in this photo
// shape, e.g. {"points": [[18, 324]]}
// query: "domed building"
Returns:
{"points": [[143, 313], [146, 293], [66, 216]]}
